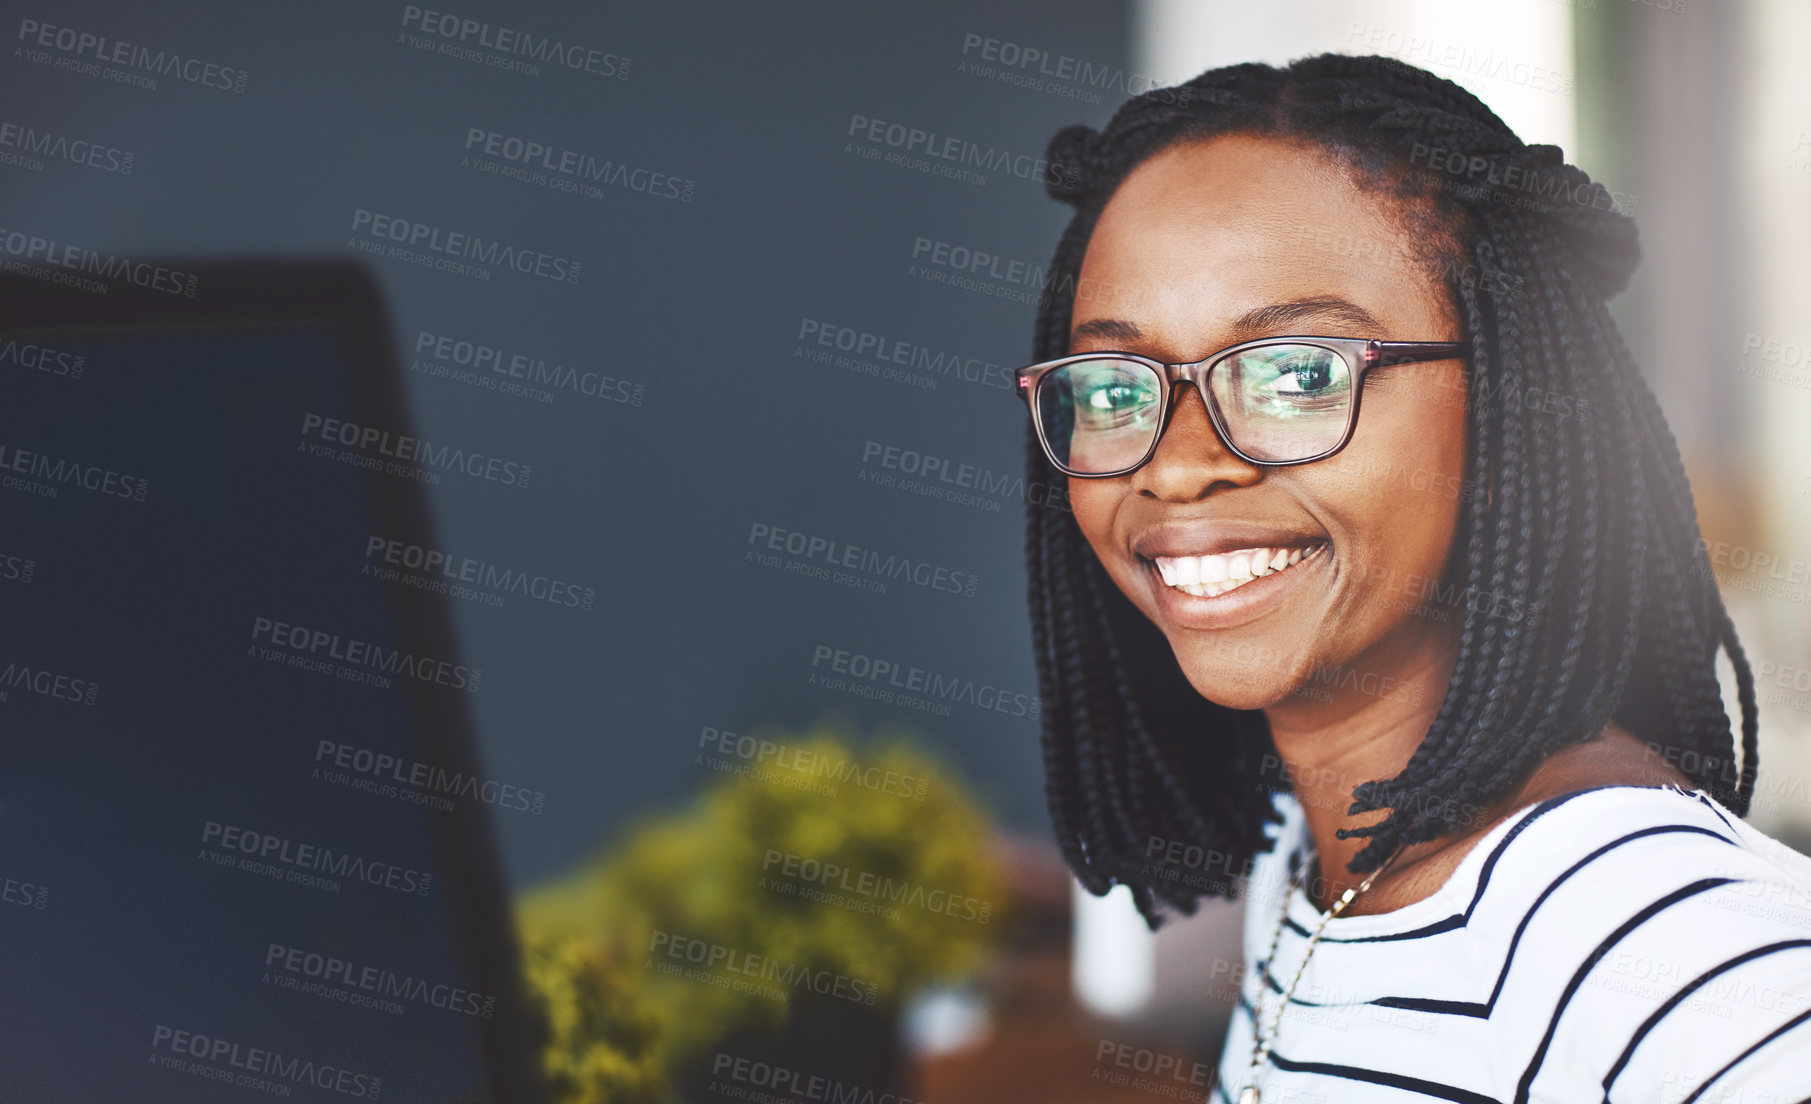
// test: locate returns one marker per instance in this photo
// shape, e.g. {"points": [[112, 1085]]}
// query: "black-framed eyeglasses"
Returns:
{"points": [[1276, 401]]}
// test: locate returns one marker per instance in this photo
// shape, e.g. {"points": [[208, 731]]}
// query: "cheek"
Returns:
{"points": [[1397, 490], [1094, 502]]}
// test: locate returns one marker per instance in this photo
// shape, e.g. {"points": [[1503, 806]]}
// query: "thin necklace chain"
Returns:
{"points": [[1262, 1041]]}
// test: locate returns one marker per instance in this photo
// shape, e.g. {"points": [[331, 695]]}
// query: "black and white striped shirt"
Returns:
{"points": [[1617, 944]]}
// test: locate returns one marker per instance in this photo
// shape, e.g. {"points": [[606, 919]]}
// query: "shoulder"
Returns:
{"points": [[1611, 844], [1666, 946]]}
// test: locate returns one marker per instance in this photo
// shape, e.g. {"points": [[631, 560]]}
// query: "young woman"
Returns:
{"points": [[1431, 677]]}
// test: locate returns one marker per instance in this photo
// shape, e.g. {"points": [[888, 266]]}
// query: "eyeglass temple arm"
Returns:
{"points": [[1411, 352]]}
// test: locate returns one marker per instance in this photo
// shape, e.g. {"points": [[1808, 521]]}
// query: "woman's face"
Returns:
{"points": [[1209, 244]]}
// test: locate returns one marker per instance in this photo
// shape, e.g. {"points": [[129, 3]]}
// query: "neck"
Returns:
{"points": [[1360, 722]]}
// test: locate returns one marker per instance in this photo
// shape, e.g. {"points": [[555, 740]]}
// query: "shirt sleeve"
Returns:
{"points": [[1696, 988]]}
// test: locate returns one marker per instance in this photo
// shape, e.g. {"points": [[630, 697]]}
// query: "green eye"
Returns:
{"points": [[1112, 401], [1311, 374], [1116, 396], [1307, 372], [1293, 380]]}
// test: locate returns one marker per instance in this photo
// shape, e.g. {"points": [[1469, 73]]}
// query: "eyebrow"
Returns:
{"points": [[1259, 320]]}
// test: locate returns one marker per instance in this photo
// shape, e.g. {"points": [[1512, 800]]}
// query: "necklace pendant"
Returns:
{"points": [[1249, 1095]]}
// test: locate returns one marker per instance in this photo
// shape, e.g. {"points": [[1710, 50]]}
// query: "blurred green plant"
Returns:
{"points": [[600, 1039], [917, 900]]}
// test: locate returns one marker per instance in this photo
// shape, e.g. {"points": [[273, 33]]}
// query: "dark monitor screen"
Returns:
{"points": [[229, 860]]}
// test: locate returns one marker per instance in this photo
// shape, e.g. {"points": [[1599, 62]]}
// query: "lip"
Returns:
{"points": [[1200, 538], [1243, 604]]}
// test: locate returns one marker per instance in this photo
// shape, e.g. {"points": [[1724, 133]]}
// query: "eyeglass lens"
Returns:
{"points": [[1280, 402]]}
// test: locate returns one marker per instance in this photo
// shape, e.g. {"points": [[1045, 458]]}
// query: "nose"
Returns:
{"points": [[1191, 458]]}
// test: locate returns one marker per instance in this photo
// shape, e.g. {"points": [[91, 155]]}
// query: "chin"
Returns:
{"points": [[1238, 675]]}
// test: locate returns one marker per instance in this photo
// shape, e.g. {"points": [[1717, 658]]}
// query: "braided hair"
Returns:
{"points": [[1588, 525]]}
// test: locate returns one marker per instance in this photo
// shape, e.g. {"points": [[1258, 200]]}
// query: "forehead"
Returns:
{"points": [[1203, 233]]}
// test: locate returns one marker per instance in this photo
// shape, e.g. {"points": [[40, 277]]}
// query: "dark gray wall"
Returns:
{"points": [[696, 303]]}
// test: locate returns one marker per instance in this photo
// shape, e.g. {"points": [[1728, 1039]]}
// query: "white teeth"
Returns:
{"points": [[1207, 576]]}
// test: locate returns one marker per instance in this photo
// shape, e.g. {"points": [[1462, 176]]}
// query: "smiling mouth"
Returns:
{"points": [[1210, 576]]}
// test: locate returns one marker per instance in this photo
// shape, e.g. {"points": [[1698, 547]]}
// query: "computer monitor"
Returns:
{"points": [[244, 840]]}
